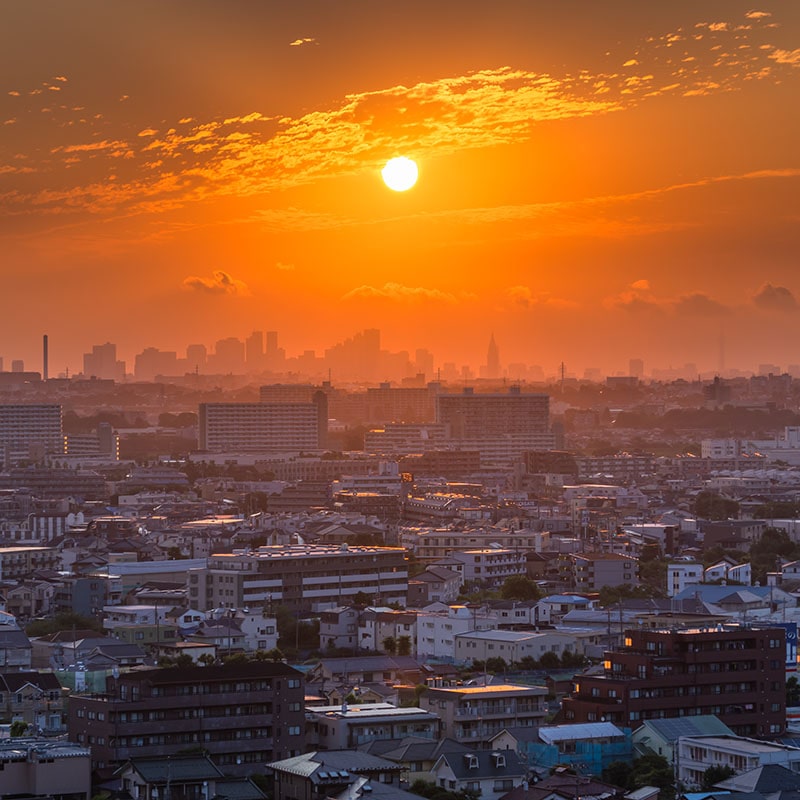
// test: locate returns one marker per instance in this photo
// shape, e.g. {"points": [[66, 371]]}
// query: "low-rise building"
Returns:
{"points": [[696, 754], [346, 726], [514, 646], [488, 773], [474, 714], [38, 768]]}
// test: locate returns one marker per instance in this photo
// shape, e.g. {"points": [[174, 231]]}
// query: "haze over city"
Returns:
{"points": [[597, 182]]}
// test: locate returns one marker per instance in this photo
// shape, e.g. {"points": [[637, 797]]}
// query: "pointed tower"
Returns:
{"points": [[492, 360]]}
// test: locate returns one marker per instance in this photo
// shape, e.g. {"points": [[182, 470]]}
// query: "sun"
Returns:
{"points": [[400, 173]]}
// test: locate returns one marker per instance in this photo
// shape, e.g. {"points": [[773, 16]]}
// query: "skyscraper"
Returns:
{"points": [[492, 360]]}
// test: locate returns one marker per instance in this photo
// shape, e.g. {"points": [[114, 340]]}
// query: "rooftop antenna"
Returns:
{"points": [[563, 372]]}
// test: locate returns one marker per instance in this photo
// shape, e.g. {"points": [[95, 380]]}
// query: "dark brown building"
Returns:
{"points": [[736, 673], [242, 715]]}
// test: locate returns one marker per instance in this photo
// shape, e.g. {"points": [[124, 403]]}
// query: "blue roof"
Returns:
{"points": [[566, 598]]}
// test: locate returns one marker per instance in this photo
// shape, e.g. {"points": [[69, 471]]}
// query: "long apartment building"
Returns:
{"points": [[302, 577], [29, 432], [735, 673], [264, 427], [243, 715]]}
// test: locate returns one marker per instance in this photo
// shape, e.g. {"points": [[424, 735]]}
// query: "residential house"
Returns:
{"points": [[182, 776], [488, 773], [660, 736], [330, 773]]}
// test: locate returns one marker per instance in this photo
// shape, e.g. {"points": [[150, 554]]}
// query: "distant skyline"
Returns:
{"points": [[597, 181]]}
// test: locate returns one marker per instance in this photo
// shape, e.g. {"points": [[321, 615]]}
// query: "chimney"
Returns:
{"points": [[44, 357]]}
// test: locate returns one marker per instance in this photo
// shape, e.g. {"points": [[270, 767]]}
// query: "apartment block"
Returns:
{"points": [[735, 673], [302, 577], [242, 715], [263, 427], [590, 572], [29, 432]]}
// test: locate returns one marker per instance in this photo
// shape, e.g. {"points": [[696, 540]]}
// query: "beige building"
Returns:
{"points": [[474, 714]]}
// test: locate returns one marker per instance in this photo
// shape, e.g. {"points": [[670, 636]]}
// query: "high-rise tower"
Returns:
{"points": [[492, 360]]}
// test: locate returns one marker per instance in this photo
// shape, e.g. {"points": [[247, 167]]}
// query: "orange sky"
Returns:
{"points": [[598, 181]]}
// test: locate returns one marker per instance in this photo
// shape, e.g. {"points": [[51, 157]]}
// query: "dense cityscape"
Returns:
{"points": [[399, 400], [217, 585]]}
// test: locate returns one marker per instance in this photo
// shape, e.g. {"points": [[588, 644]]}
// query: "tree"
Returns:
{"points": [[18, 728], [434, 792], [390, 645], [549, 660], [713, 506], [404, 646], [63, 621], [715, 774], [518, 587]]}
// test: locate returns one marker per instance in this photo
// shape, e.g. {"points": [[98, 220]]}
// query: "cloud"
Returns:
{"points": [[699, 304], [219, 283], [398, 293], [284, 267], [642, 285], [303, 41], [786, 57], [757, 14], [775, 298], [524, 297]]}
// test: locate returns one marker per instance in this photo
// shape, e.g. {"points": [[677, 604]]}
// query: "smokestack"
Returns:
{"points": [[44, 357]]}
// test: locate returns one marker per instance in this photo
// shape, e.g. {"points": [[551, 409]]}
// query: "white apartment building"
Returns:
{"points": [[695, 754], [513, 646], [682, 574], [489, 566], [720, 448], [437, 630]]}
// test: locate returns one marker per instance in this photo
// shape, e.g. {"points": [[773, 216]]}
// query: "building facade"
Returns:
{"points": [[302, 577], [734, 673], [243, 715]]}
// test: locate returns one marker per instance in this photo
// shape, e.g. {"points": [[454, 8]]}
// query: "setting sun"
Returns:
{"points": [[400, 174]]}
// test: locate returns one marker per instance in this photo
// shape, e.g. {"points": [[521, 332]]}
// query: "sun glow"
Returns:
{"points": [[400, 173]]}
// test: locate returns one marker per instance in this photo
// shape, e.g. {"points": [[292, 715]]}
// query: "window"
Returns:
{"points": [[294, 730]]}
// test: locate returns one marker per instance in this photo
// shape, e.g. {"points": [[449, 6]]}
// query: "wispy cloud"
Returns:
{"points": [[303, 41], [398, 293]]}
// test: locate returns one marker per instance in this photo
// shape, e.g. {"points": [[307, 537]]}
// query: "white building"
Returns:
{"points": [[437, 630], [491, 565], [696, 754], [513, 646], [682, 574]]}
